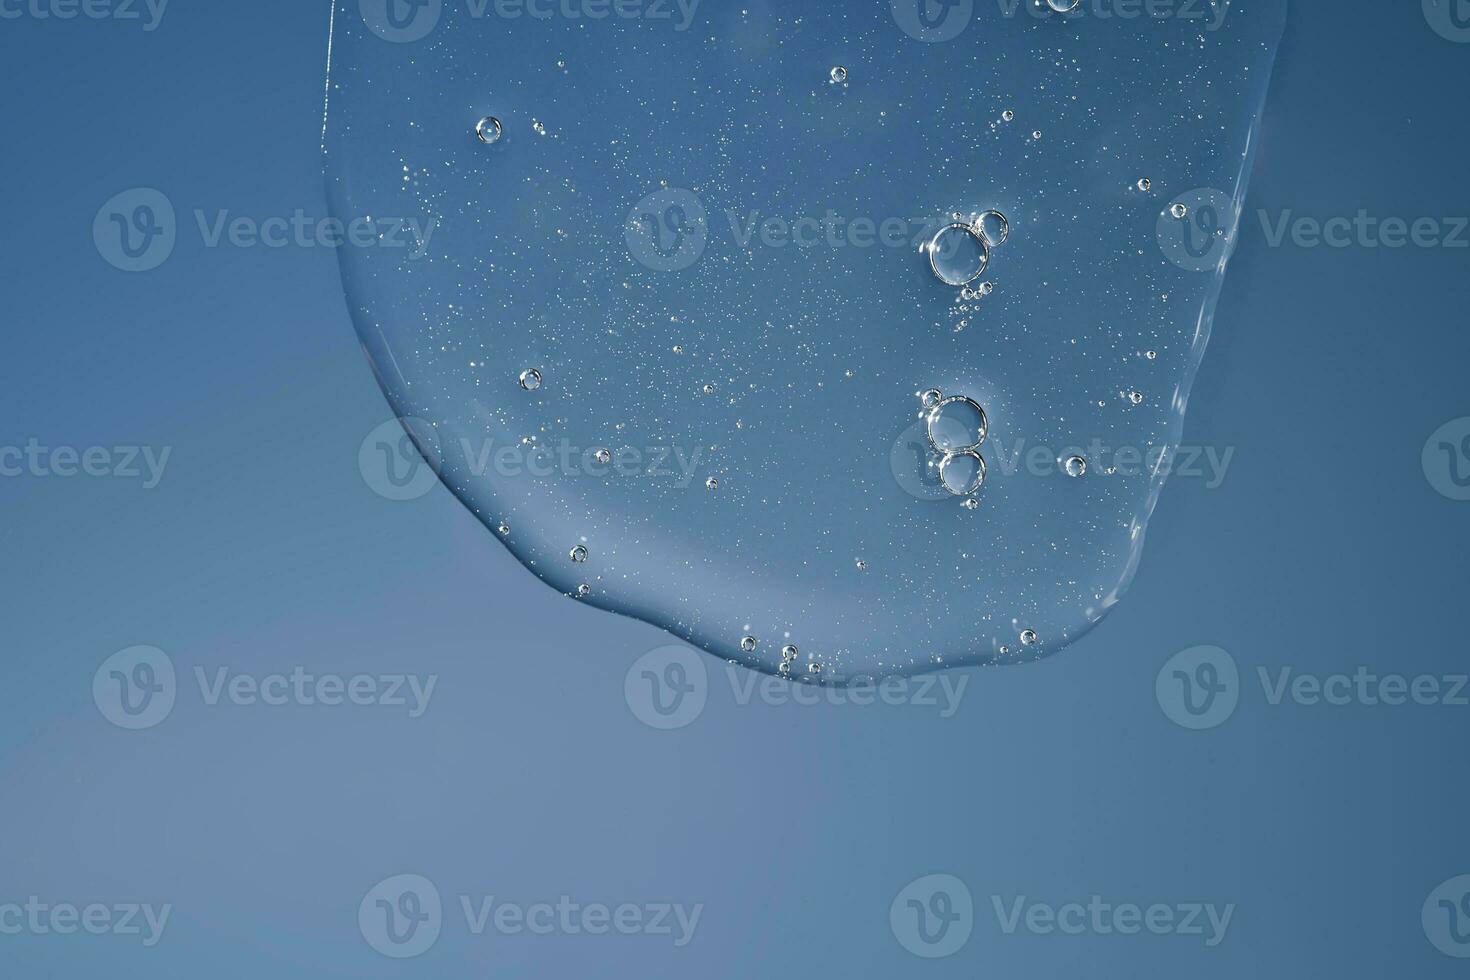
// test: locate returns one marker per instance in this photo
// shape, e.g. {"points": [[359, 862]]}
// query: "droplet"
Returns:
{"points": [[1178, 210], [1144, 184], [962, 473], [579, 554], [530, 379], [539, 127], [839, 75], [1028, 637], [712, 484], [957, 424], [1075, 466], [489, 129], [747, 644]]}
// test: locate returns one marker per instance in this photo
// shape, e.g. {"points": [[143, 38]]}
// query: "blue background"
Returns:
{"points": [[529, 777]]}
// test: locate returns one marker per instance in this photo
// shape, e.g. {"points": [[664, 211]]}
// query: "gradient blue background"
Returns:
{"points": [[262, 549]]}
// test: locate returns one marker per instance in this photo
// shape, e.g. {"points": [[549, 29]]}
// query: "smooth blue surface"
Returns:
{"points": [[262, 548]]}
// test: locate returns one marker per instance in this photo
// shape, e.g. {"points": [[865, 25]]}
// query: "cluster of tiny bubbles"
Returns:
{"points": [[603, 456], [1028, 637], [979, 292], [747, 644], [838, 75], [530, 379], [1075, 466], [959, 253], [489, 129], [1144, 184], [579, 554], [788, 657], [1178, 210]]}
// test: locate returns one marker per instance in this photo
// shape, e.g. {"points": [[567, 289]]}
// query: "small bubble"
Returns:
{"points": [[1036, 134], [488, 129], [1136, 397], [539, 127], [986, 288], [957, 424], [747, 644], [967, 293], [1008, 115], [1004, 650], [603, 456], [579, 554], [1063, 6], [503, 528], [584, 590], [709, 389], [862, 566], [1075, 466], [838, 75], [1151, 354], [962, 473], [1144, 184], [1028, 637], [530, 379], [788, 654], [712, 484], [970, 503], [1178, 210], [678, 349], [931, 397]]}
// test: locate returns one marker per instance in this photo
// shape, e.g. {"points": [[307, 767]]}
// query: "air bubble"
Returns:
{"points": [[838, 75], [931, 397], [1063, 6], [748, 644], [962, 473], [1075, 466], [862, 566], [788, 654], [957, 424], [1179, 210], [530, 379], [1136, 397], [539, 127], [712, 484], [1008, 116], [970, 503], [1144, 184], [503, 529], [579, 554], [603, 456], [1028, 637], [584, 590], [489, 129]]}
